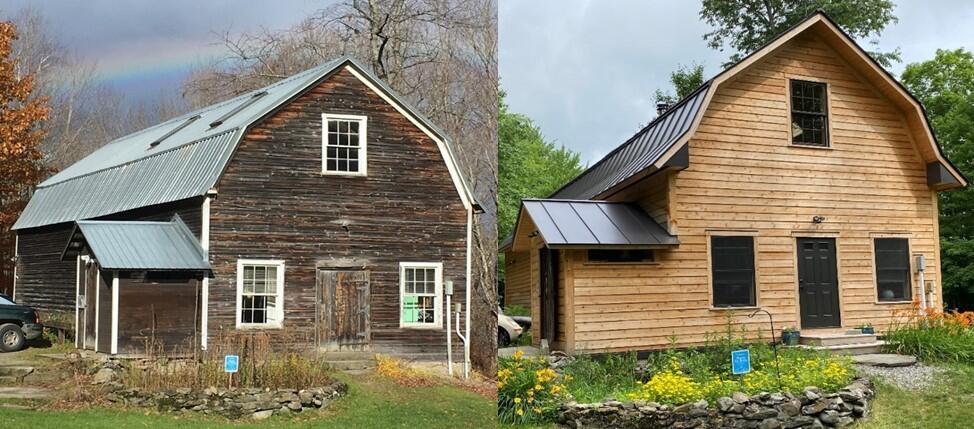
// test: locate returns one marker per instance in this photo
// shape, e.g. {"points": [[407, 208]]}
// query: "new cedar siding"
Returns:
{"points": [[517, 278], [47, 283], [745, 175], [274, 203]]}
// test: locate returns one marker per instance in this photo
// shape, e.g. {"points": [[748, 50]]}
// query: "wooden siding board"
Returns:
{"points": [[274, 203]]}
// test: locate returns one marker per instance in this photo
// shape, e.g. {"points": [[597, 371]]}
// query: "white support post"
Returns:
{"points": [[97, 303], [205, 299], [16, 259], [114, 312], [77, 294], [466, 342]]}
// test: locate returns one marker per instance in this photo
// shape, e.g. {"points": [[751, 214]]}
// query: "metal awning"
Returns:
{"points": [[596, 224], [139, 245]]}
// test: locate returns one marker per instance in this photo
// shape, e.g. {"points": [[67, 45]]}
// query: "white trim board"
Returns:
{"points": [[114, 346]]}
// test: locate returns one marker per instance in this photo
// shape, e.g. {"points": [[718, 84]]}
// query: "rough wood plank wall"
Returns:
{"points": [[744, 175], [274, 203], [517, 278], [47, 283]]}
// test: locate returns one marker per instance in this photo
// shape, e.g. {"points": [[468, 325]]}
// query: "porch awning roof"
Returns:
{"points": [[595, 224], [139, 245]]}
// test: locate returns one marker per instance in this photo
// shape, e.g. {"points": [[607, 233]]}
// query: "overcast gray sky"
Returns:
{"points": [[586, 73], [146, 46]]}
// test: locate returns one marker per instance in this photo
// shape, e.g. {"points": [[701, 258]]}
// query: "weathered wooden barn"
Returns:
{"points": [[801, 180], [321, 209]]}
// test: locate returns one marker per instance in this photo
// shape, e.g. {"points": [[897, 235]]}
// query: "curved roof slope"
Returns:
{"points": [[184, 156], [652, 146]]}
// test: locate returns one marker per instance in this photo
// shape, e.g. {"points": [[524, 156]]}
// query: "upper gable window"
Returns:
{"points": [[809, 114], [343, 144]]}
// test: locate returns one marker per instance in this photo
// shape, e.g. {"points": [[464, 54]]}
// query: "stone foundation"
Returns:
{"points": [[233, 403], [811, 409]]}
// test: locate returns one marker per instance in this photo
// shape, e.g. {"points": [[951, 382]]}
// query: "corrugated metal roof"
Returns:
{"points": [[140, 245], [637, 153], [130, 173], [595, 223]]}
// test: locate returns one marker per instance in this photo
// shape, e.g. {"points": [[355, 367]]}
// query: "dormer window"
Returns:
{"points": [[343, 144], [809, 114]]}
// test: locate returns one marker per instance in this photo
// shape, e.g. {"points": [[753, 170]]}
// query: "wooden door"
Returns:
{"points": [[549, 293], [818, 285], [90, 285], [343, 315]]}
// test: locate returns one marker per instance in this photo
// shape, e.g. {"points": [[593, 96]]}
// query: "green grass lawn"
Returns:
{"points": [[948, 404], [370, 403]]}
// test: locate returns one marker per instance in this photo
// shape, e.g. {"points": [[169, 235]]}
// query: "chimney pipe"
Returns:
{"points": [[662, 107]]}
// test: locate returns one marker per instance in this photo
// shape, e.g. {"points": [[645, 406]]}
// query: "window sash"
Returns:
{"points": [[344, 144], [894, 276], [732, 271], [420, 307], [260, 293], [809, 113]]}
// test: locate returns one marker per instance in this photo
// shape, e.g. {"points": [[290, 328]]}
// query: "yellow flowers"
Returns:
{"points": [[528, 391], [669, 387]]}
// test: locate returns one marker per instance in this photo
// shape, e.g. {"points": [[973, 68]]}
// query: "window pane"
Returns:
{"points": [[332, 126], [893, 273], [270, 280], [353, 127]]}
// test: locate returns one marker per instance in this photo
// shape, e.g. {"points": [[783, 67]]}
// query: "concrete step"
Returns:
{"points": [[836, 339], [851, 349]]}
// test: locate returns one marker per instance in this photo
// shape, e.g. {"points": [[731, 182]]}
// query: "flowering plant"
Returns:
{"points": [[527, 389]]}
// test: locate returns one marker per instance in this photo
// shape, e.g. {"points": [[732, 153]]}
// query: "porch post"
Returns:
{"points": [[115, 312]]}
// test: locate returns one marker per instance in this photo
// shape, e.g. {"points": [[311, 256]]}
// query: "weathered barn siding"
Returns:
{"points": [[517, 278], [746, 177], [47, 283], [274, 203]]}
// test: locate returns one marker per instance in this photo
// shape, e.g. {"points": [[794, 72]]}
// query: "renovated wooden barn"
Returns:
{"points": [[802, 180], [321, 209]]}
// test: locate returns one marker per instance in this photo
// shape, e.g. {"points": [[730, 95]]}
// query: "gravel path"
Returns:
{"points": [[916, 377]]}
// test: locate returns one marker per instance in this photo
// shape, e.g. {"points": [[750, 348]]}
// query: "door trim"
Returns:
{"points": [[834, 235], [549, 261]]}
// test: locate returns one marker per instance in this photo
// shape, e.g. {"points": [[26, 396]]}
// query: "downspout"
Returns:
{"points": [[205, 245]]}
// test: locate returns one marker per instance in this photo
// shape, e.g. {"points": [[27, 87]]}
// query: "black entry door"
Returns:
{"points": [[818, 285], [549, 293]]}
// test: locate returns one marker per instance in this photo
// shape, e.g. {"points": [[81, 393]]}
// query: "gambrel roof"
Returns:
{"points": [[655, 145], [184, 157]]}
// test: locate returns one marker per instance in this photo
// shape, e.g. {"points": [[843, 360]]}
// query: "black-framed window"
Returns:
{"points": [[732, 271], [620, 255], [893, 276], [809, 114]]}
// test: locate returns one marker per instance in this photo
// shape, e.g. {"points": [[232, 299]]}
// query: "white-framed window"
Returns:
{"points": [[260, 293], [420, 294], [343, 148]]}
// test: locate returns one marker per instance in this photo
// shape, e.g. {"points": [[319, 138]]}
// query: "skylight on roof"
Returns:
{"points": [[237, 109], [173, 131]]}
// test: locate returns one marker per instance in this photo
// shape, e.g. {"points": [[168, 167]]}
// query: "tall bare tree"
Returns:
{"points": [[441, 55]]}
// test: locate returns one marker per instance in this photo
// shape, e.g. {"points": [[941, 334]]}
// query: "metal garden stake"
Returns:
{"points": [[774, 344]]}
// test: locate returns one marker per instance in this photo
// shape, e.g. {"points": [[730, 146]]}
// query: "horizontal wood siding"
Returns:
{"points": [[47, 283], [745, 176], [517, 279], [274, 203]]}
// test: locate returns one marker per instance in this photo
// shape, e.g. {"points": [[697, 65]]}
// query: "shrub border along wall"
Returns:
{"points": [[810, 409]]}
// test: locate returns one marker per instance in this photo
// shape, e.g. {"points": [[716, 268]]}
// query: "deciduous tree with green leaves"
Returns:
{"points": [[945, 86], [528, 167], [685, 80], [743, 26]]}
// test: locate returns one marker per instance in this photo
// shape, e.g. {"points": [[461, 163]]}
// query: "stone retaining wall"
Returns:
{"points": [[810, 409], [234, 403]]}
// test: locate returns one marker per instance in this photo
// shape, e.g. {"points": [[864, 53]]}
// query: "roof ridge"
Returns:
{"points": [[133, 161]]}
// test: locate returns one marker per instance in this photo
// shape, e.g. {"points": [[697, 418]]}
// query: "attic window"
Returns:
{"points": [[253, 99], [809, 114], [185, 124], [343, 144]]}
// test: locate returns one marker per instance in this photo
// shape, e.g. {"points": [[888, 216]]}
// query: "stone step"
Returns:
{"points": [[15, 371], [836, 339], [351, 365], [346, 355], [850, 349], [885, 360], [7, 380]]}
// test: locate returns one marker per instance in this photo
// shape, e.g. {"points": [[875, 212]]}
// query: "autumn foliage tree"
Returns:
{"points": [[21, 161]]}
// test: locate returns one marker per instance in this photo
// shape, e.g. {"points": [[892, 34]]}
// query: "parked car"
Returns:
{"points": [[507, 329], [18, 324], [524, 321]]}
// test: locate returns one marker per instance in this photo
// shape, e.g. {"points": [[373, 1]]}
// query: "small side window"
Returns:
{"points": [[809, 114], [620, 255], [260, 294], [732, 265], [893, 276]]}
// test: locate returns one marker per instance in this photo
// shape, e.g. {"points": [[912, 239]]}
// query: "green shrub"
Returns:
{"points": [[595, 379], [528, 391], [934, 336], [517, 310]]}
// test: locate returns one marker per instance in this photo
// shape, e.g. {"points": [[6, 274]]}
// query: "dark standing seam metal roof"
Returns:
{"points": [[637, 153], [187, 161], [141, 245], [595, 223]]}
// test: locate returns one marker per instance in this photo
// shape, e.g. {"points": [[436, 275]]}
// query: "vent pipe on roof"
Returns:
{"points": [[662, 107]]}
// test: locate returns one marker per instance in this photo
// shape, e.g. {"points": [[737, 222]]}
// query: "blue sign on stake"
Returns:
{"points": [[740, 361], [231, 363]]}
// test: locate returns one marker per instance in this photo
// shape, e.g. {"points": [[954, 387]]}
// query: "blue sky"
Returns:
{"points": [[587, 74]]}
